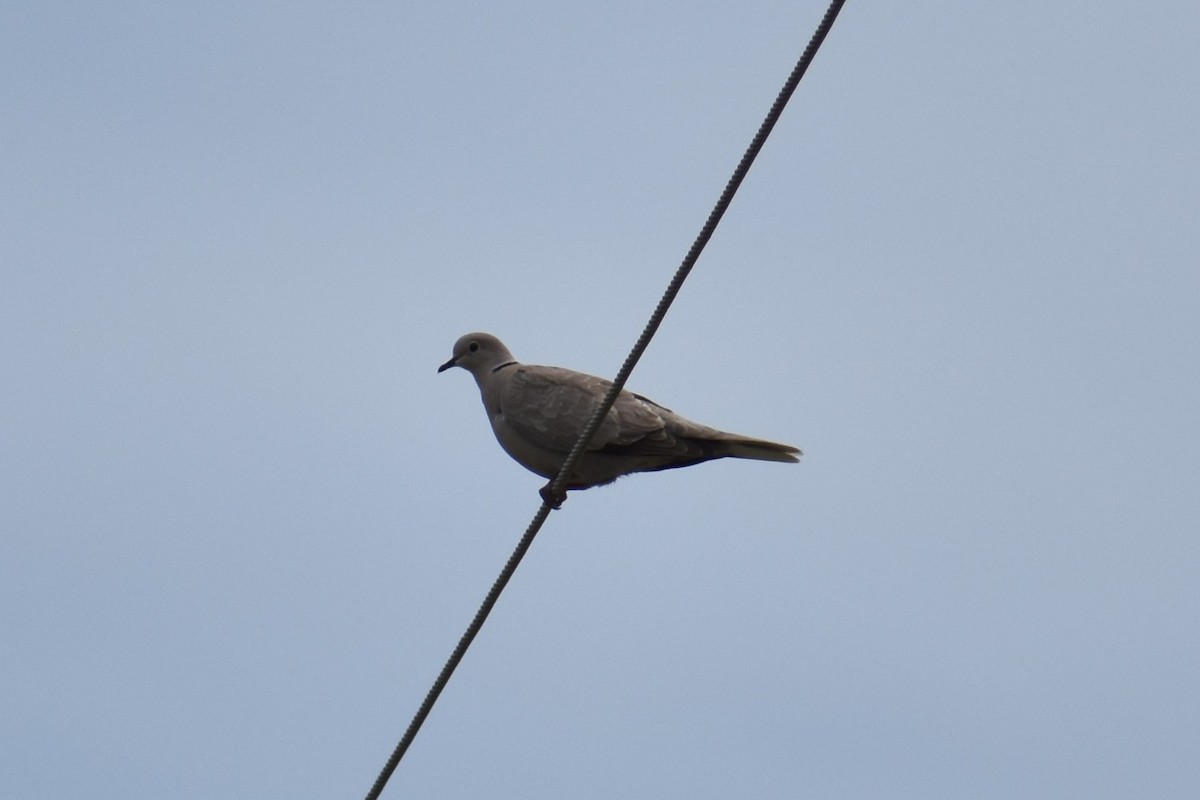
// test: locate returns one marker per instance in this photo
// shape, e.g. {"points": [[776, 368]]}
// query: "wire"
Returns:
{"points": [[555, 491]]}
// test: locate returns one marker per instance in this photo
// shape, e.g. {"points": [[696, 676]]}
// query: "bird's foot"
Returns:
{"points": [[551, 499]]}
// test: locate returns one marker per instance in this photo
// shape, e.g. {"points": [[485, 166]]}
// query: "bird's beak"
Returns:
{"points": [[451, 363]]}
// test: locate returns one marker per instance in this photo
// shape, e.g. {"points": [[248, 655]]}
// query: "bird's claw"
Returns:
{"points": [[550, 498]]}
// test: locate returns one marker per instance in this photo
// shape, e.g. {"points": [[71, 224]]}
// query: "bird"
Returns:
{"points": [[537, 413]]}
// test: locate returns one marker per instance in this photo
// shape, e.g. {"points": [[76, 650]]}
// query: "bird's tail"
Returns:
{"points": [[759, 449]]}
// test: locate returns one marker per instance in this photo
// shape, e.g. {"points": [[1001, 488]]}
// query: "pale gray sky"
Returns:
{"points": [[244, 522]]}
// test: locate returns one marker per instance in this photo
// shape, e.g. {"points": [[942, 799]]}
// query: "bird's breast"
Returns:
{"points": [[529, 455]]}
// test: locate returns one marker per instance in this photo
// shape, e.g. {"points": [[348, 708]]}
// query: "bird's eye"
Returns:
{"points": [[473, 346]]}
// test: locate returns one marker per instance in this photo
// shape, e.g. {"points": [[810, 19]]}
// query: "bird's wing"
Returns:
{"points": [[548, 406]]}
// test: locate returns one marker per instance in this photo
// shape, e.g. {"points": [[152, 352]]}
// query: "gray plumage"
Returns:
{"points": [[538, 412]]}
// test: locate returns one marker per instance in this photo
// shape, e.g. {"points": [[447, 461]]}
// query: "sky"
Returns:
{"points": [[243, 521]]}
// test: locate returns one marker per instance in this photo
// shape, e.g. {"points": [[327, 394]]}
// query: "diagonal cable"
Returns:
{"points": [[557, 488]]}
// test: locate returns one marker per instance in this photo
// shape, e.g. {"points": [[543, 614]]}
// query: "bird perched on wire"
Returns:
{"points": [[537, 414]]}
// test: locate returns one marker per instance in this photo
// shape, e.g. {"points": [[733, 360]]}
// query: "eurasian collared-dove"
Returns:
{"points": [[538, 412]]}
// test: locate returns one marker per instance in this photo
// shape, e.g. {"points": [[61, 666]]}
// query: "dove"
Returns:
{"points": [[537, 413]]}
